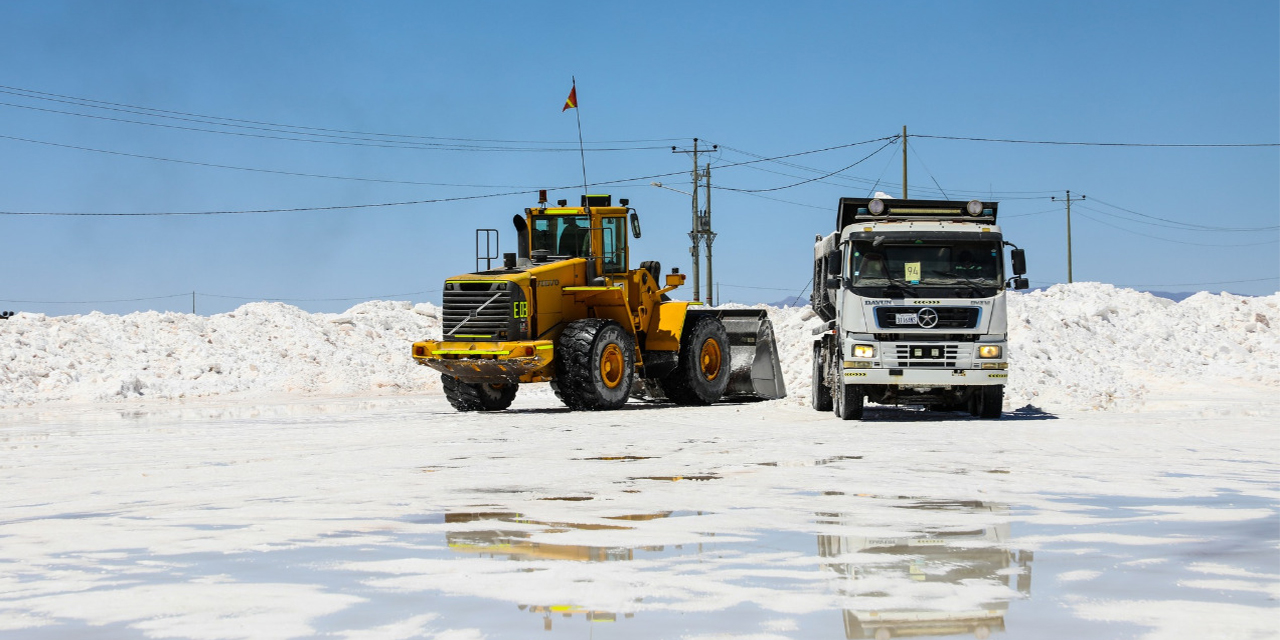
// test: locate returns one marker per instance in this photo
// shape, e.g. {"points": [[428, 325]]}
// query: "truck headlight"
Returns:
{"points": [[989, 351], [864, 351]]}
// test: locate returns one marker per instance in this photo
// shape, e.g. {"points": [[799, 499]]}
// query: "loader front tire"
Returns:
{"points": [[595, 365], [702, 371], [484, 396]]}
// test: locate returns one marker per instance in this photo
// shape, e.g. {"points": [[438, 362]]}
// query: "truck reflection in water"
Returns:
{"points": [[515, 545], [893, 582]]}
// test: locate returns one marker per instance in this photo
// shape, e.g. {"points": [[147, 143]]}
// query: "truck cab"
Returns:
{"points": [[913, 292]]}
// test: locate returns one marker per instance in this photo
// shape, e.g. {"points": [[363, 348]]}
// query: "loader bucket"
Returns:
{"points": [[755, 369]]}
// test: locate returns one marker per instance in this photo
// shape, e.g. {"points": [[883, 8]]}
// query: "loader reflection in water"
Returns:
{"points": [[878, 574], [515, 545]]}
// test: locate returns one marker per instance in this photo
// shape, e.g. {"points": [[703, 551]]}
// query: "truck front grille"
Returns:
{"points": [[927, 355], [477, 310], [948, 317]]}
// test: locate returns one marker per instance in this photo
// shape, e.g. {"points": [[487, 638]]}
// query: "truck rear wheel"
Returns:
{"points": [[848, 401], [595, 365], [987, 402], [702, 372], [820, 395], [484, 396]]}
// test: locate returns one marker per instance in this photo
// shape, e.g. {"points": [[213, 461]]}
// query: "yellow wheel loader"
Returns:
{"points": [[566, 308]]}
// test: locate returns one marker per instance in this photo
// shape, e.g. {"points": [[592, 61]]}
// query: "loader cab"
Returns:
{"points": [[596, 230]]}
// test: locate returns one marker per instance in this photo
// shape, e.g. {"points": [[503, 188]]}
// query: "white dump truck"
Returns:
{"points": [[913, 295]]}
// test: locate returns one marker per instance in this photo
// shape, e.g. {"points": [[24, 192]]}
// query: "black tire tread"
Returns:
{"points": [[685, 385], [465, 396]]}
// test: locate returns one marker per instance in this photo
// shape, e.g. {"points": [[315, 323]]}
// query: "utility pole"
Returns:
{"points": [[904, 162], [709, 235], [696, 232], [1069, 230]]}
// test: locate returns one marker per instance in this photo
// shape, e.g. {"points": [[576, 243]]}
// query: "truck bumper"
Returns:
{"points": [[522, 361], [926, 377]]}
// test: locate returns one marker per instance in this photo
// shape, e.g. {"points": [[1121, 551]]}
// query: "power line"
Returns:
{"points": [[1198, 284], [344, 140], [1185, 225], [860, 161], [1102, 144], [40, 95], [1194, 244], [258, 170]]}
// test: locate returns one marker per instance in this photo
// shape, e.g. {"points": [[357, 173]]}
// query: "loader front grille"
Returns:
{"points": [[478, 310]]}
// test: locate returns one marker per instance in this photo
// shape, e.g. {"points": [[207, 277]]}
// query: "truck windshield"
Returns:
{"points": [[924, 263], [561, 235]]}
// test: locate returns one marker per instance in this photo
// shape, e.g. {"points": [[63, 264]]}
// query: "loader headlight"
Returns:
{"points": [[989, 351], [864, 351]]}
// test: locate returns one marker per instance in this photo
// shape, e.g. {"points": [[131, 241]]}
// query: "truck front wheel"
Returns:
{"points": [[820, 395], [848, 401], [484, 396], [987, 402]]}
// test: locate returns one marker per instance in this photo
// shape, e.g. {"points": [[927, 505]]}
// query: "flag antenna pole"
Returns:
{"points": [[577, 112]]}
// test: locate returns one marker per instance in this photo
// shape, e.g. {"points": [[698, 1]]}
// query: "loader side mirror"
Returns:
{"points": [[635, 224], [1019, 261]]}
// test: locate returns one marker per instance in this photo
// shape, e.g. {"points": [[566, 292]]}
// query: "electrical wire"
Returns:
{"points": [[1195, 244], [860, 161], [176, 295], [41, 95], [908, 145], [259, 170], [1185, 225], [1197, 284], [1101, 144], [349, 141]]}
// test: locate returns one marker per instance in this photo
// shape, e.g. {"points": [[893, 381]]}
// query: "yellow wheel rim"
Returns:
{"points": [[710, 359], [611, 366]]}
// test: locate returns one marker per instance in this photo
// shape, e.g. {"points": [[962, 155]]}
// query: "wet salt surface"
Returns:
{"points": [[397, 518]]}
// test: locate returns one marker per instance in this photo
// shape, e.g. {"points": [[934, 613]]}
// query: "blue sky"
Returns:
{"points": [[752, 77]]}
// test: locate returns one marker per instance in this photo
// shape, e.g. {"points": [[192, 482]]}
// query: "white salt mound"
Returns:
{"points": [[1085, 346]]}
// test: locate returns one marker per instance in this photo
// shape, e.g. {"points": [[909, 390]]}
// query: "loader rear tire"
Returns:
{"points": [[702, 371], [820, 396], [484, 396], [595, 365]]}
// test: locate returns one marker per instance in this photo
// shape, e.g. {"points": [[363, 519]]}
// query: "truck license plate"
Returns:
{"points": [[905, 318]]}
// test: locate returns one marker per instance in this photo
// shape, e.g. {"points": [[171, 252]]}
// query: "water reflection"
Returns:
{"points": [[515, 545], [938, 580]]}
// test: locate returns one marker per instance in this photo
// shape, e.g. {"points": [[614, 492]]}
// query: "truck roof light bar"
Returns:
{"points": [[879, 209]]}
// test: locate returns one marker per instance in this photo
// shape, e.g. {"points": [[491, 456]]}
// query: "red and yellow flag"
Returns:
{"points": [[572, 102]]}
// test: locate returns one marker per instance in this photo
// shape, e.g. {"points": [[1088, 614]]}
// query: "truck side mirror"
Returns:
{"points": [[1021, 283], [1019, 262], [635, 225], [833, 263]]}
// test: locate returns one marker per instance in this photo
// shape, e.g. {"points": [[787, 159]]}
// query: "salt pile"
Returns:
{"points": [[1084, 346]]}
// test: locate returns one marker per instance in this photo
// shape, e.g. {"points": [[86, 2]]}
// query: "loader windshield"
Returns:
{"points": [[561, 235], [969, 266]]}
